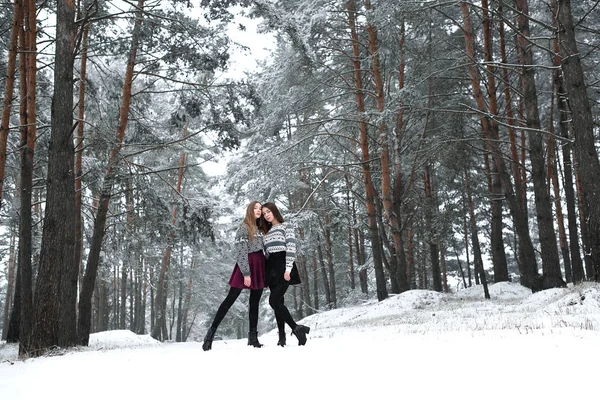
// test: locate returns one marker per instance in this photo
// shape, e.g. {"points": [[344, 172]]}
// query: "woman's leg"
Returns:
{"points": [[276, 301], [225, 306], [221, 312], [255, 296], [253, 316]]}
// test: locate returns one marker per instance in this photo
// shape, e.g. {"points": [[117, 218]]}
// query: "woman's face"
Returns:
{"points": [[269, 217], [257, 209]]}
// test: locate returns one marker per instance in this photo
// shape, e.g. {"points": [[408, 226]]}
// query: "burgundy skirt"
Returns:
{"points": [[257, 272]]}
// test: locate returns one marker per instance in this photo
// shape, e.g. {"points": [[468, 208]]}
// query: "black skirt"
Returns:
{"points": [[275, 268]]}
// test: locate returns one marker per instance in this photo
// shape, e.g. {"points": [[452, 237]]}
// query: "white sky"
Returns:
{"points": [[416, 345], [242, 62]]}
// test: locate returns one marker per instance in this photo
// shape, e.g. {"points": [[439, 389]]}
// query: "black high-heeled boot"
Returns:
{"points": [[253, 339], [281, 341], [301, 331], [208, 339]]}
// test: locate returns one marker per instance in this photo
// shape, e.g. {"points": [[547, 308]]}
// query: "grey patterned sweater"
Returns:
{"points": [[281, 237], [245, 246]]}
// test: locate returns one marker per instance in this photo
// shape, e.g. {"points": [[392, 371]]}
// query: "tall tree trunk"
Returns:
{"points": [[186, 326], [475, 239], [529, 271], [160, 327], [553, 180], [85, 297], [14, 328], [434, 254], [410, 257], [583, 126], [79, 153], [326, 286], [398, 193], [55, 318], [329, 249], [443, 266], [397, 270], [564, 121], [144, 299], [497, 245], [466, 239], [315, 268], [583, 218], [552, 276], [10, 285], [349, 214], [380, 280], [497, 238], [123, 296], [27, 151], [517, 168], [9, 90], [303, 272]]}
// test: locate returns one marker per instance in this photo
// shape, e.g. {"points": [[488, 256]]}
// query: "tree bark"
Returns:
{"points": [[583, 223], [475, 239], [430, 206], [380, 280], [160, 327], [27, 151], [329, 249], [399, 190], [495, 185], [14, 328], [326, 286], [315, 269], [552, 276], [10, 285], [564, 121], [398, 269], [89, 279], [55, 321], [9, 91], [553, 180], [79, 153], [529, 271], [583, 127]]}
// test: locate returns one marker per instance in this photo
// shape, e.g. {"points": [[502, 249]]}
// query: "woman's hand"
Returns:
{"points": [[247, 281], [287, 276]]}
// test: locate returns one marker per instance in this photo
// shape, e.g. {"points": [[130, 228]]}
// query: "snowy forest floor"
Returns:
{"points": [[416, 345]]}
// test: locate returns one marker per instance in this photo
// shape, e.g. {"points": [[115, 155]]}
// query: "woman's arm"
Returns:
{"points": [[241, 249], [290, 247]]}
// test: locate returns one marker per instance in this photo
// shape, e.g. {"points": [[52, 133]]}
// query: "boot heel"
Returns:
{"points": [[300, 332]]}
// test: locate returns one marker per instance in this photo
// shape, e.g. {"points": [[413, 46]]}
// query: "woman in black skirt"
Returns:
{"points": [[248, 273], [281, 272]]}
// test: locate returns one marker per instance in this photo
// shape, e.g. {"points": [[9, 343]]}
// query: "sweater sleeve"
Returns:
{"points": [[241, 249], [290, 247]]}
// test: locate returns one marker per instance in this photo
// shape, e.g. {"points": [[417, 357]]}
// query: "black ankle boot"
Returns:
{"points": [[253, 339], [301, 331], [281, 341], [208, 339]]}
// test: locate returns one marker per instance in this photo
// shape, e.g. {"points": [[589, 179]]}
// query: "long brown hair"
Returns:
{"points": [[250, 219], [266, 226]]}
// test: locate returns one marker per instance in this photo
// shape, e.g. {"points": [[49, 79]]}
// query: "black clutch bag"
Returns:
{"points": [[294, 275]]}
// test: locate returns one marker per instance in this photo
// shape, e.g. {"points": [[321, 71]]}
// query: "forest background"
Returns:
{"points": [[431, 144]]}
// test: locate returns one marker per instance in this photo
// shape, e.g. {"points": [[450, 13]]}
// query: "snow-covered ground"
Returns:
{"points": [[416, 345]]}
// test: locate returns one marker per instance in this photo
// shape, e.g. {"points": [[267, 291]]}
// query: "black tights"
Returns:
{"points": [[232, 296], [282, 314]]}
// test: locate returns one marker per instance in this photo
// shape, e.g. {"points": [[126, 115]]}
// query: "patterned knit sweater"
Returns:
{"points": [[281, 237], [244, 246]]}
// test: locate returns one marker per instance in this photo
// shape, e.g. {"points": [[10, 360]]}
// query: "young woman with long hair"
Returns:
{"points": [[280, 247], [248, 273]]}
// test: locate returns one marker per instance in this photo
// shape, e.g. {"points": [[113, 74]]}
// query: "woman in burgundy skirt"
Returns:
{"points": [[248, 273]]}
